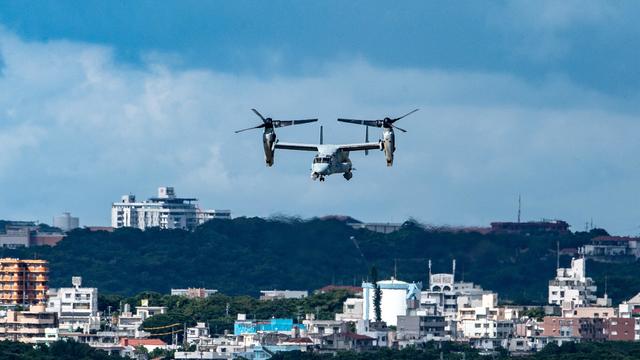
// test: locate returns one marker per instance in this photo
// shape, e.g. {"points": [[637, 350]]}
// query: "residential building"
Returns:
{"points": [[193, 293], [630, 308], [623, 329], [283, 294], [589, 312], [166, 211], [131, 323], [393, 303], [28, 325], [144, 311], [66, 222], [315, 328], [572, 287], [352, 310], [23, 282], [530, 227], [76, 307], [609, 248], [149, 344], [418, 327], [589, 329], [348, 341], [384, 228], [242, 326], [198, 334]]}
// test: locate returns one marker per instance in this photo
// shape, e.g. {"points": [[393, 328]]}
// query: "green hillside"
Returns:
{"points": [[245, 255]]}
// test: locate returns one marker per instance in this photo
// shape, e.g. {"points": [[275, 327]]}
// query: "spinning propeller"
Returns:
{"points": [[269, 123], [386, 122]]}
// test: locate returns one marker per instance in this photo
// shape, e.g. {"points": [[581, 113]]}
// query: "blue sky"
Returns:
{"points": [[102, 98]]}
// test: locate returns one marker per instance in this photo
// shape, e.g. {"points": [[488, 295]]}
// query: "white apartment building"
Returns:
{"points": [[76, 307], [571, 287], [166, 211], [486, 319]]}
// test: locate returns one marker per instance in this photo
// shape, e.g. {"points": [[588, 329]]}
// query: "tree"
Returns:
{"points": [[377, 295]]}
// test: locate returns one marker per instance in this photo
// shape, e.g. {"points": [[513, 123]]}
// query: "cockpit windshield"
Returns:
{"points": [[322, 160]]}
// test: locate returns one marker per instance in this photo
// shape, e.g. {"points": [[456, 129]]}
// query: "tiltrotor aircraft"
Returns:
{"points": [[330, 159]]}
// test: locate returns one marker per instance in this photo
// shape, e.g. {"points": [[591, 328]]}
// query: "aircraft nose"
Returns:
{"points": [[321, 168]]}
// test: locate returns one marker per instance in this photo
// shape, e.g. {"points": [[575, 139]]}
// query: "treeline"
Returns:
{"points": [[59, 350], [453, 351], [219, 311], [245, 255]]}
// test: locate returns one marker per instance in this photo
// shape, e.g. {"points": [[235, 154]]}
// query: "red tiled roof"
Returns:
{"points": [[141, 342], [299, 341]]}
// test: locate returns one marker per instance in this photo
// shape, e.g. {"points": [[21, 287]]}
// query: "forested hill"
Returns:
{"points": [[245, 255]]}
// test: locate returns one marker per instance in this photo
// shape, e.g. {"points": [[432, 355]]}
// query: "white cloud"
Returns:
{"points": [[95, 129]]}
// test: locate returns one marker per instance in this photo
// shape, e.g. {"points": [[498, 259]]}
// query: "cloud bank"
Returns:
{"points": [[78, 129]]}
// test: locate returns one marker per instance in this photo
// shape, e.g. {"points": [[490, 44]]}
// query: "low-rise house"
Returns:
{"points": [[352, 310], [348, 341], [149, 344]]}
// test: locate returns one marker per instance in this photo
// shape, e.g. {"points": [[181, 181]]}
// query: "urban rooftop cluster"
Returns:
{"points": [[378, 314]]}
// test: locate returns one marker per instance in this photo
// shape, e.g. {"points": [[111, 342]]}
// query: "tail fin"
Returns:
{"points": [[366, 139], [321, 139]]}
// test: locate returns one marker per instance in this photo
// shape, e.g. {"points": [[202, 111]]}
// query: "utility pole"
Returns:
{"points": [[519, 207]]}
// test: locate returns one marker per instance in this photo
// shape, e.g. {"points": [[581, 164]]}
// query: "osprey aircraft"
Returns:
{"points": [[330, 159]]}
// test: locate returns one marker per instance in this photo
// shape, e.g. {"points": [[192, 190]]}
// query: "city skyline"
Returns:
{"points": [[511, 103]]}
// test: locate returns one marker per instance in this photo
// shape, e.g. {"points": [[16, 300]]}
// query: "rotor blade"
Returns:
{"points": [[255, 127], [282, 123], [362, 122], [401, 129], [405, 115], [257, 113]]}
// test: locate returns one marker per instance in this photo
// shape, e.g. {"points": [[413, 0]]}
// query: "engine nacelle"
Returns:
{"points": [[269, 142], [389, 145]]}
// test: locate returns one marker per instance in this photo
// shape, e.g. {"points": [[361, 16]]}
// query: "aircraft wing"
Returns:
{"points": [[299, 147], [360, 147]]}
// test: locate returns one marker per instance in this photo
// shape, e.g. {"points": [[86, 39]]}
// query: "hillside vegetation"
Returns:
{"points": [[245, 255]]}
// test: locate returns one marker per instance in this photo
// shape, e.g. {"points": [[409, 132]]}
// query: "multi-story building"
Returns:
{"points": [[607, 248], [166, 211], [420, 327], [66, 222], [193, 293], [76, 307], [26, 233], [572, 287], [27, 326], [589, 329], [283, 294], [23, 282]]}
